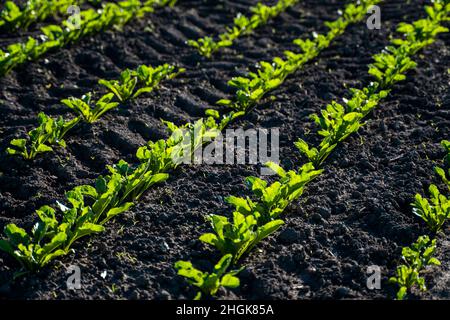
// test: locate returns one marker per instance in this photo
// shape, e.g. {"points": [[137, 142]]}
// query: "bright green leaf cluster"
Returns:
{"points": [[440, 171], [255, 220], [131, 84], [87, 208], [415, 258], [49, 132], [144, 79], [252, 221], [434, 212], [209, 283], [13, 17], [337, 122], [242, 25], [92, 21]]}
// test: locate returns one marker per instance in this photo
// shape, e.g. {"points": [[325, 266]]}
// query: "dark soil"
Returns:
{"points": [[355, 215]]}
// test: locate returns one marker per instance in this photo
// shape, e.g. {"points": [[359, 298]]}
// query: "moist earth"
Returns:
{"points": [[356, 215]]}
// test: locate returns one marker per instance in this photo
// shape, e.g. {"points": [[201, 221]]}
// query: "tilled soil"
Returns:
{"points": [[355, 215]]}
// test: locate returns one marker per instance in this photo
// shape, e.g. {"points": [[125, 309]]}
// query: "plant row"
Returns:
{"points": [[87, 208], [12, 17], [51, 132], [242, 25], [434, 211], [270, 75], [91, 21], [255, 218]]}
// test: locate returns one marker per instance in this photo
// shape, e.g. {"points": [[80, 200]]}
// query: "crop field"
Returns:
{"points": [[114, 184]]}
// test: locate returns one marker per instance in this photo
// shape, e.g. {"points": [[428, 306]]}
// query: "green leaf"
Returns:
{"points": [[223, 264], [21, 143], [230, 281], [401, 293], [209, 238], [224, 102], [269, 228], [276, 168], [44, 148], [116, 211]]}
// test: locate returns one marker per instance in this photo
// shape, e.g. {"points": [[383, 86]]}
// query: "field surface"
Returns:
{"points": [[355, 215]]}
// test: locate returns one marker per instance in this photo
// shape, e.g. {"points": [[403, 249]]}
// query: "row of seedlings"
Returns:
{"points": [[14, 17], [242, 26], [255, 219], [112, 15], [51, 132]]}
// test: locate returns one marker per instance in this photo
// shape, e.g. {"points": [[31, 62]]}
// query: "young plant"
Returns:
{"points": [[337, 121], [84, 107], [209, 283], [434, 212], [440, 171], [49, 132], [122, 88], [416, 258], [144, 79], [238, 236], [86, 210]]}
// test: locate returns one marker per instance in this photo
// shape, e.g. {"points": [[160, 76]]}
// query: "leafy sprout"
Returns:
{"points": [[209, 283], [415, 258]]}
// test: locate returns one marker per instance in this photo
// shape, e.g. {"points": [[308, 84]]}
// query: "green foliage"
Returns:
{"points": [[255, 220], [13, 17], [82, 107], [336, 122], [440, 171], [122, 88], [88, 208], [209, 283], [144, 79], [92, 21], [239, 235], [391, 65], [415, 258], [49, 132], [270, 75], [242, 25], [84, 212], [434, 211], [446, 146]]}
